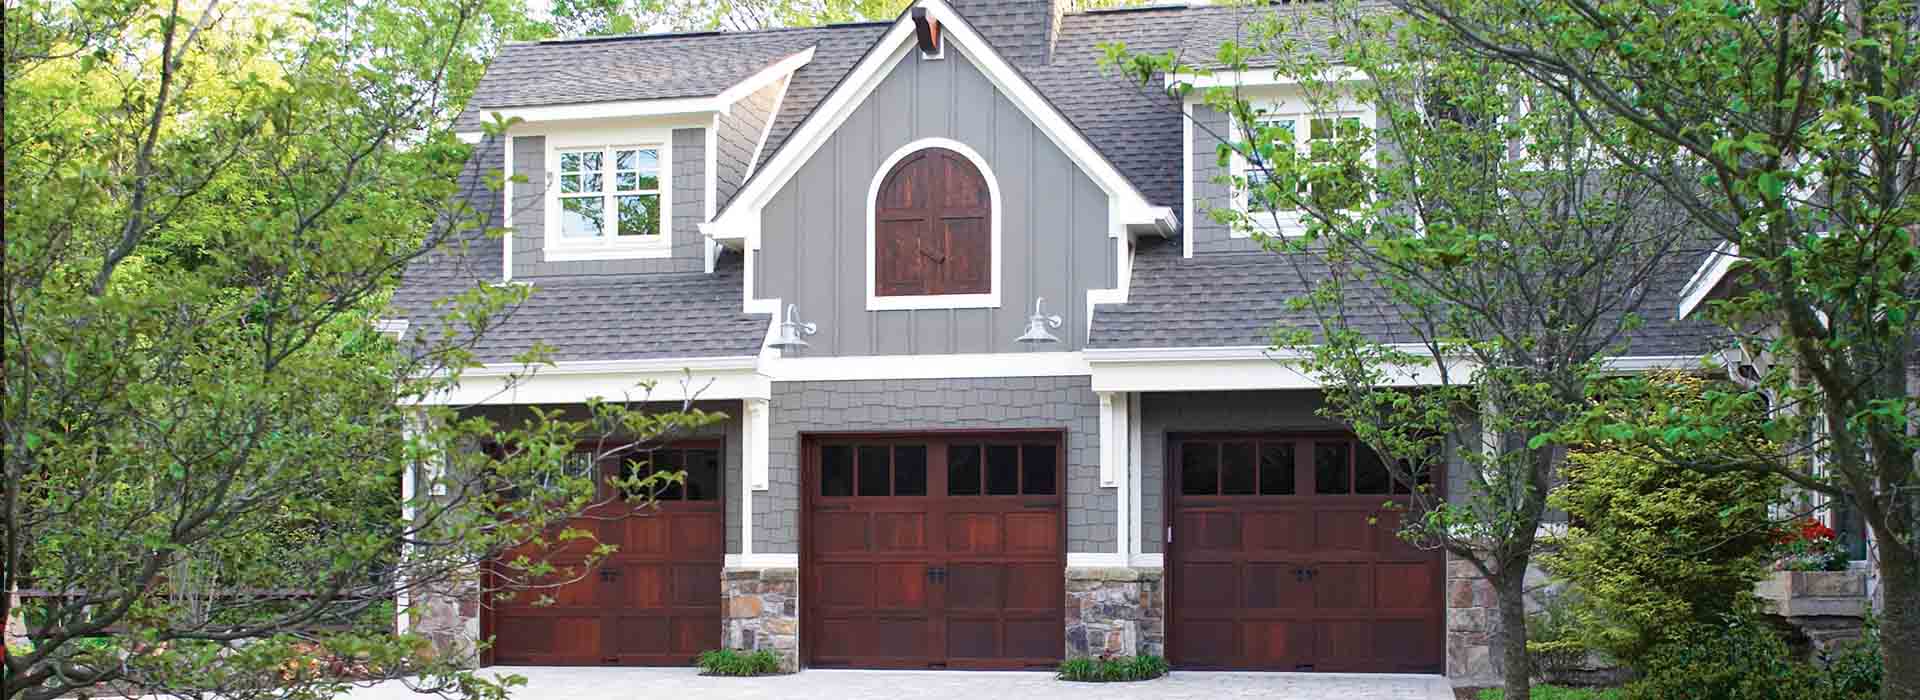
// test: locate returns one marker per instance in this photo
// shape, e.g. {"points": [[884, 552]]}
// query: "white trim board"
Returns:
{"points": [[989, 300], [740, 220], [1708, 277], [760, 561], [948, 366]]}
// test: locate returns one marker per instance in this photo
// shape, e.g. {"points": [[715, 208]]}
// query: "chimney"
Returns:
{"points": [[1022, 30]]}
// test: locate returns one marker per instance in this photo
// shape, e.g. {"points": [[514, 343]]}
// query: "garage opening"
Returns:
{"points": [[656, 600], [1283, 558], [934, 551]]}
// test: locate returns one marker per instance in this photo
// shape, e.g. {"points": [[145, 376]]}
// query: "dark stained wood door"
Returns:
{"points": [[941, 551], [1284, 559], [655, 600], [932, 231]]}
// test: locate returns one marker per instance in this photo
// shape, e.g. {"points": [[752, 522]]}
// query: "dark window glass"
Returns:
{"points": [[1199, 467], [1330, 462], [669, 464], [703, 475], [963, 470], [836, 470], [1276, 469], [1003, 470], [1236, 468], [1369, 473], [1037, 469], [874, 479], [910, 470]]}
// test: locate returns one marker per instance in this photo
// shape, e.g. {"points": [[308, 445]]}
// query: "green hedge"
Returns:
{"points": [[1555, 692], [728, 662], [1110, 669]]}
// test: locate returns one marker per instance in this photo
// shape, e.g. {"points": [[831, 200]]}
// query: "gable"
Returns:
{"points": [[737, 224], [1054, 236]]}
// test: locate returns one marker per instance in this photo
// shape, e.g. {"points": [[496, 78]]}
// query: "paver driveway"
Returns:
{"points": [[591, 683]]}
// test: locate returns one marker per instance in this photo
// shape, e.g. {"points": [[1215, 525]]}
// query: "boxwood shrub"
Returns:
{"points": [[1112, 669]]}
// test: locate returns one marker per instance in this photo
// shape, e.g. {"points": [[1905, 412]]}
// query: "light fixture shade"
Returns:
{"points": [[1037, 332], [791, 330]]}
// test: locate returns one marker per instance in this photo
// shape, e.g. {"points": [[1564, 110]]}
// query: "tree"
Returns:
{"points": [[1654, 550], [1788, 130], [1475, 242], [205, 438]]}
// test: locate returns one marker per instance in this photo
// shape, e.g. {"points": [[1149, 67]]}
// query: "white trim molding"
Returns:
{"points": [[989, 300], [1708, 277], [506, 215], [1262, 76], [945, 366], [673, 379], [749, 560], [396, 327]]}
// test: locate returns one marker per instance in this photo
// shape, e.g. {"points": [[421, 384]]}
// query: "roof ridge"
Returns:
{"points": [[688, 34]]}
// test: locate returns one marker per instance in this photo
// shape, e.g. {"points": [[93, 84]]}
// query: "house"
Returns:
{"points": [[852, 237]]}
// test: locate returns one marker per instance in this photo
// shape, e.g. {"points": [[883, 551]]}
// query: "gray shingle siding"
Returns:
{"points": [[927, 404], [740, 130]]}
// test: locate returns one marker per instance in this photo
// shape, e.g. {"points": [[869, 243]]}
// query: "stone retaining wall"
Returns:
{"points": [[760, 609], [1116, 611]]}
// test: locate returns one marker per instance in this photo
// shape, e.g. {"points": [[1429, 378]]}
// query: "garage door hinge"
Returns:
{"points": [[1169, 534]]}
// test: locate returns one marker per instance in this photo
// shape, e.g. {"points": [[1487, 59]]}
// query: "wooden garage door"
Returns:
{"points": [[654, 601], [935, 551], [1276, 565]]}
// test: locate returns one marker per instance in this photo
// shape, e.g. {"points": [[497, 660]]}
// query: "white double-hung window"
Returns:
{"points": [[1314, 133], [608, 202]]}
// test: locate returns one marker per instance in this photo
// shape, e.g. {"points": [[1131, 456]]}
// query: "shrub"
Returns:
{"points": [[728, 662], [1744, 658], [1109, 669], [1557, 692], [1652, 548]]}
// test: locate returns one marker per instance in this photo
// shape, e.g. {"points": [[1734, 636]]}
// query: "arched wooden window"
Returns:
{"points": [[932, 227]]}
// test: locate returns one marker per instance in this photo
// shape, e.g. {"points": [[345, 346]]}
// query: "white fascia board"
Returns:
{"points": [[469, 137], [566, 383], [947, 366], [1262, 76], [1636, 364], [1708, 277], [396, 327], [1224, 368], [613, 110], [874, 68]]}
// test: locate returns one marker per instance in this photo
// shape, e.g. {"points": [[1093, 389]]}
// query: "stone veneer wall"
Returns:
{"points": [[448, 616], [760, 609], [1117, 611], [1474, 625]]}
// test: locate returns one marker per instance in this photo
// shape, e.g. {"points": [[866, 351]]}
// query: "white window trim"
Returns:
{"points": [[1288, 224], [990, 300], [558, 248]]}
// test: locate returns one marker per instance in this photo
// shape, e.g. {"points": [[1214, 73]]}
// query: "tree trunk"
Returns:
{"points": [[1510, 593], [1900, 624]]}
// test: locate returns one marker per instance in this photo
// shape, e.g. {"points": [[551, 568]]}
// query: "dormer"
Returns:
{"points": [[626, 145]]}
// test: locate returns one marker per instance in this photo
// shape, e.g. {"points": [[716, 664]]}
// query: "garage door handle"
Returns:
{"points": [[937, 574]]}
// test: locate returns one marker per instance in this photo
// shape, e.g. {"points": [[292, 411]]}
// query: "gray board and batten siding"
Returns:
{"points": [[1055, 239]]}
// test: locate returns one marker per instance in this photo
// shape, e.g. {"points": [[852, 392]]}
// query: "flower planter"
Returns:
{"points": [[1814, 593]]}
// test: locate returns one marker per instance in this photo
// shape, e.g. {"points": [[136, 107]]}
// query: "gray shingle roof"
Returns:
{"points": [[631, 317], [660, 66], [1237, 299]]}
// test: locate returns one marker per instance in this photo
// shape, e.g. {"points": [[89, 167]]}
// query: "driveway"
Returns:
{"points": [[594, 683]]}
